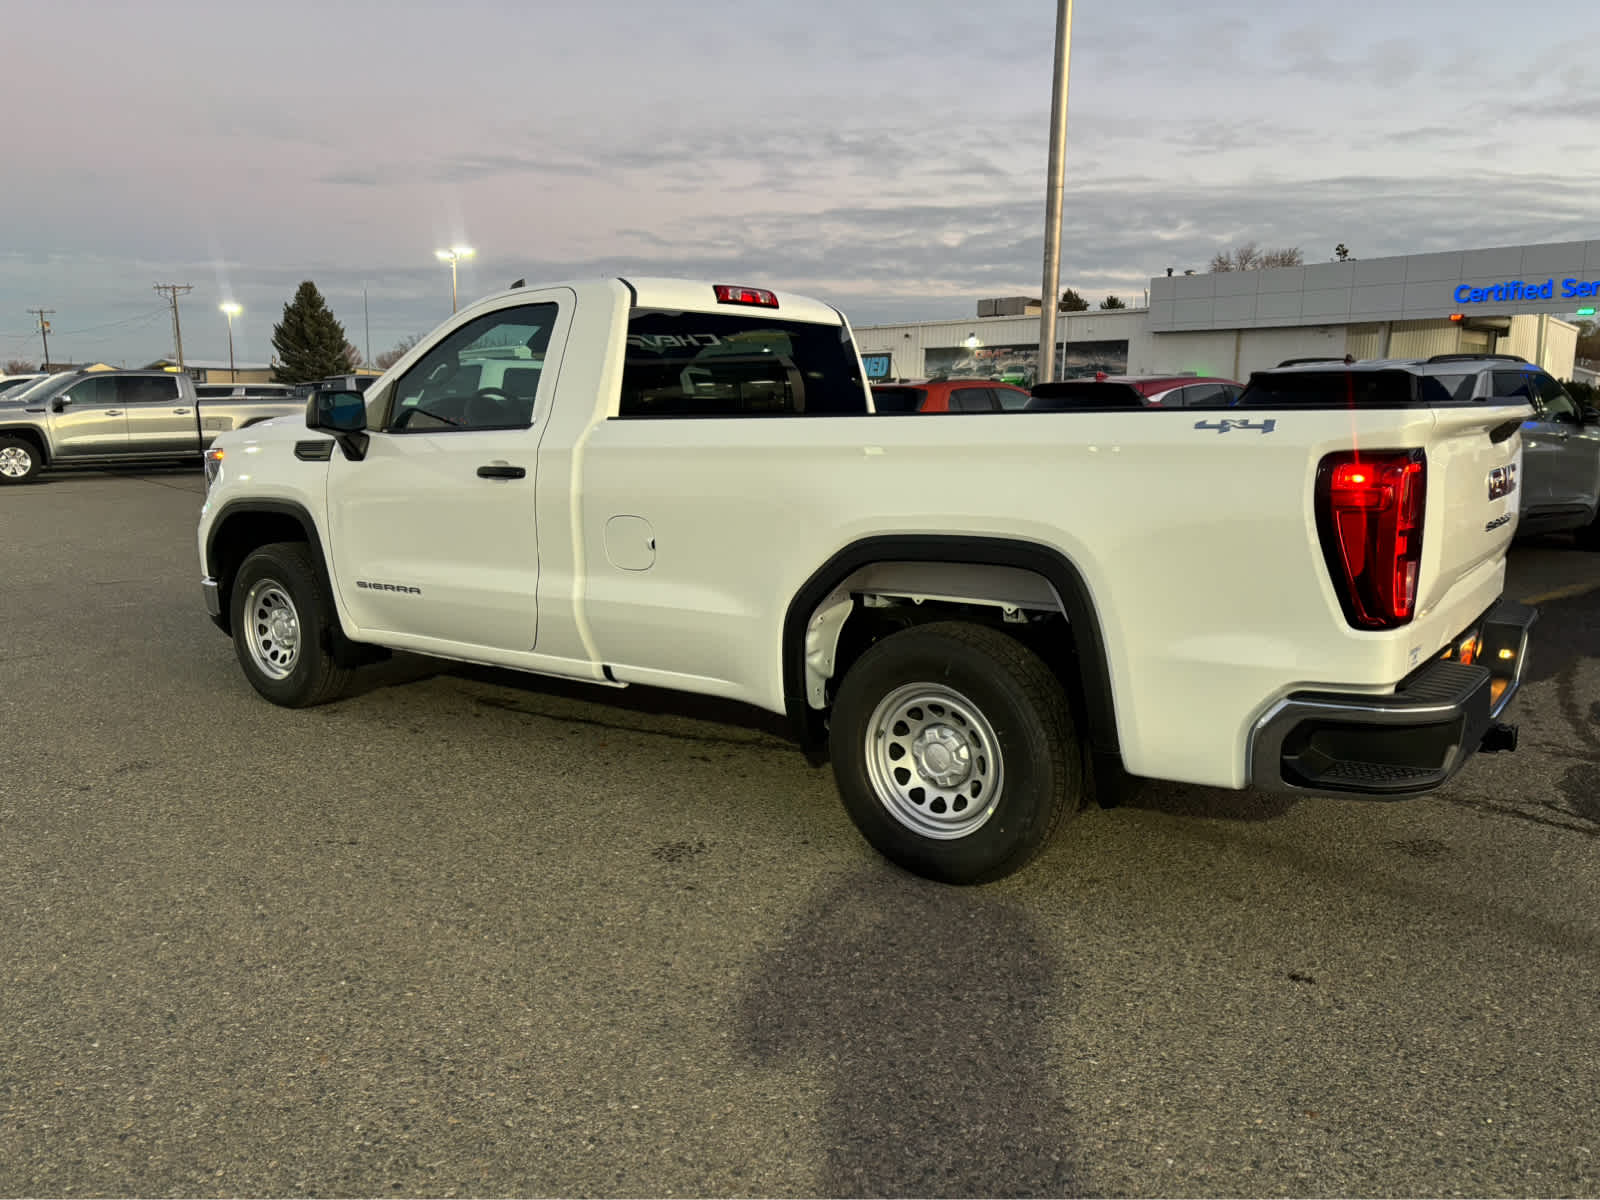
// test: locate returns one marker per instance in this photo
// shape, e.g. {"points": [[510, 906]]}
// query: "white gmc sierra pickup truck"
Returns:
{"points": [[981, 618]]}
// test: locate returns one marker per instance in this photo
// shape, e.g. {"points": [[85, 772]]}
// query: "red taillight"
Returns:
{"points": [[728, 293], [1369, 513]]}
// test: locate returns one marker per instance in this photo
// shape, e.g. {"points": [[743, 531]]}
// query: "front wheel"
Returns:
{"points": [[954, 751], [282, 626], [19, 460]]}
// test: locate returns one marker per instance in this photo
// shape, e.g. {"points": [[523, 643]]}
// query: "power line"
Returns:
{"points": [[145, 317], [172, 289]]}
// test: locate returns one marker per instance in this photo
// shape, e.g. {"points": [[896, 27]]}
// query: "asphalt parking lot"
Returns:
{"points": [[467, 934]]}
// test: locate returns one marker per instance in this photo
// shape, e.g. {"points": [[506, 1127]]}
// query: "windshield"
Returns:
{"points": [[39, 389]]}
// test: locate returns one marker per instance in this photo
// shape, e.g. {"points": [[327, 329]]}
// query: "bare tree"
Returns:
{"points": [[1287, 256], [1248, 256], [18, 366], [396, 352]]}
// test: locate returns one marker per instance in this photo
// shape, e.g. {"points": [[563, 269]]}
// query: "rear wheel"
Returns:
{"points": [[19, 460], [954, 751], [282, 627]]}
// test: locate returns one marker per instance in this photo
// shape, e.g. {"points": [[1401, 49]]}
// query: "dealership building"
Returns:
{"points": [[1520, 300]]}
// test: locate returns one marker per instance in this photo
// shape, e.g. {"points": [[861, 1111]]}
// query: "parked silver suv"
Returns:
{"points": [[1560, 483]]}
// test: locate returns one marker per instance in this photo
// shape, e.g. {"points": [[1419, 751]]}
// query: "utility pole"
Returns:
{"points": [[44, 332], [365, 317], [172, 290], [1045, 372]]}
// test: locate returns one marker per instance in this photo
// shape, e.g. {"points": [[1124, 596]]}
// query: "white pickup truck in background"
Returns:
{"points": [[979, 619]]}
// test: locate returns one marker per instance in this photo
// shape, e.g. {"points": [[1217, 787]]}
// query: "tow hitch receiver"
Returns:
{"points": [[1498, 737]]}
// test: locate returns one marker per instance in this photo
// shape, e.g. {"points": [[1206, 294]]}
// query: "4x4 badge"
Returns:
{"points": [[1229, 423]]}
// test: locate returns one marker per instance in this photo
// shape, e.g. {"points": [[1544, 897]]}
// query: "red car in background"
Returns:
{"points": [[948, 395]]}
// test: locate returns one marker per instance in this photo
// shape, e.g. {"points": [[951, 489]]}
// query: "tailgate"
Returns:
{"points": [[1474, 487]]}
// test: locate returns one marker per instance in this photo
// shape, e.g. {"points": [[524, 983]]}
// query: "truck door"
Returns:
{"points": [[92, 419], [434, 533], [160, 420]]}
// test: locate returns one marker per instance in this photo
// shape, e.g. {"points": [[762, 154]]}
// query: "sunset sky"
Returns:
{"points": [[885, 155]]}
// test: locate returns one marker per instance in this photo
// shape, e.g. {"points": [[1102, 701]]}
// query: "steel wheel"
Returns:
{"points": [[934, 760], [15, 461], [273, 634]]}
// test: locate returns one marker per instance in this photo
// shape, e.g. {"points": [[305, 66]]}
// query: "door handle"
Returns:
{"points": [[501, 471], [113, 412], [180, 412]]}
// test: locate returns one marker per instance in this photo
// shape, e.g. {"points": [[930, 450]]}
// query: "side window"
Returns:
{"points": [[146, 389], [1512, 385], [971, 400], [1203, 395], [1011, 399], [485, 375], [1553, 399], [97, 392], [739, 363]]}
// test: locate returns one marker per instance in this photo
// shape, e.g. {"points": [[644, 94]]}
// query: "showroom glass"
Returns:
{"points": [[734, 364], [484, 375]]}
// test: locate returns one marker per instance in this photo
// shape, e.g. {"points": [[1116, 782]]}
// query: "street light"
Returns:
{"points": [[232, 310], [452, 256]]}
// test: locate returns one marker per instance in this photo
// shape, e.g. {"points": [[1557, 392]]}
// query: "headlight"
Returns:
{"points": [[213, 467]]}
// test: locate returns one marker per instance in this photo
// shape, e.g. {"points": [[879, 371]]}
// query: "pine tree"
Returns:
{"points": [[310, 342]]}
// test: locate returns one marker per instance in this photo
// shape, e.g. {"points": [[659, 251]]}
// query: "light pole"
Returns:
{"points": [[1054, 183], [232, 310], [452, 256]]}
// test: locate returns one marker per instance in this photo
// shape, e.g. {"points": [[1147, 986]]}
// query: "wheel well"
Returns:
{"points": [[875, 588], [238, 534], [31, 436]]}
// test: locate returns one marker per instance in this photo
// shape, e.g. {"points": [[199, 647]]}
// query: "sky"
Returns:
{"points": [[887, 156]]}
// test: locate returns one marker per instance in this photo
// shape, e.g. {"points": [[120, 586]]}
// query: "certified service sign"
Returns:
{"points": [[1516, 289]]}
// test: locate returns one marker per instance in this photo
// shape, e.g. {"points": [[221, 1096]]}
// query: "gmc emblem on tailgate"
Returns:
{"points": [[1502, 481]]}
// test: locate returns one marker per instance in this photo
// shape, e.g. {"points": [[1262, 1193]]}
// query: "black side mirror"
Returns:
{"points": [[59, 404], [1589, 415], [336, 412], [343, 414]]}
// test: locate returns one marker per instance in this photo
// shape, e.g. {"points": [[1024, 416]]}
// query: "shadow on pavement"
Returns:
{"points": [[930, 1008]]}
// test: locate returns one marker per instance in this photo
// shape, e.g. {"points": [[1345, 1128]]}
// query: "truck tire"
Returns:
{"points": [[283, 621], [19, 460], [954, 751]]}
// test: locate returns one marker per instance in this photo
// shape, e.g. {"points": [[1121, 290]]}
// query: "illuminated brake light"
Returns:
{"points": [[1369, 514], [728, 293]]}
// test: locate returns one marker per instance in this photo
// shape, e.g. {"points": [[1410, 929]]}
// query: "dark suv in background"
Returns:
{"points": [[1560, 482]]}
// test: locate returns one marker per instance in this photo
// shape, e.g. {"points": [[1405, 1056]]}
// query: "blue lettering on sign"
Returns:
{"points": [[1525, 290], [876, 365]]}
